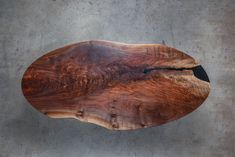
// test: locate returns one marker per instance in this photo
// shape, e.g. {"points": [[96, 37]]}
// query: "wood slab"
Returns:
{"points": [[115, 85]]}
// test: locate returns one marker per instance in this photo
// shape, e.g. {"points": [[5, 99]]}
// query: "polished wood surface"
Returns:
{"points": [[115, 85]]}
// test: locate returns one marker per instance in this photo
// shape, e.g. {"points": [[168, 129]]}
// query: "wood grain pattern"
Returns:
{"points": [[115, 85]]}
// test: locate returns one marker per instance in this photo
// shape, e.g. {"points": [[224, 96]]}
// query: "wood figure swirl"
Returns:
{"points": [[115, 85]]}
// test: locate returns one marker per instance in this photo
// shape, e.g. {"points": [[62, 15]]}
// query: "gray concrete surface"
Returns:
{"points": [[205, 29]]}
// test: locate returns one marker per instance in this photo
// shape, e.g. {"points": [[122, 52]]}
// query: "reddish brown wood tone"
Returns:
{"points": [[115, 85]]}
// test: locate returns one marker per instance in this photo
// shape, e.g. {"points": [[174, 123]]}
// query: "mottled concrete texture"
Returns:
{"points": [[205, 29]]}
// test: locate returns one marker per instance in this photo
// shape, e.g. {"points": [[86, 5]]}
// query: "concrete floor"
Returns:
{"points": [[205, 29]]}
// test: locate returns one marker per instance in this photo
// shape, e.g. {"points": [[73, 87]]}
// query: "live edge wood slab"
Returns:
{"points": [[115, 85]]}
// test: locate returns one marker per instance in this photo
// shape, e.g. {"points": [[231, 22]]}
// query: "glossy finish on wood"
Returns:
{"points": [[115, 85]]}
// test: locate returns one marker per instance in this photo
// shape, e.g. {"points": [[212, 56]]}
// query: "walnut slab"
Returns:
{"points": [[115, 85]]}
